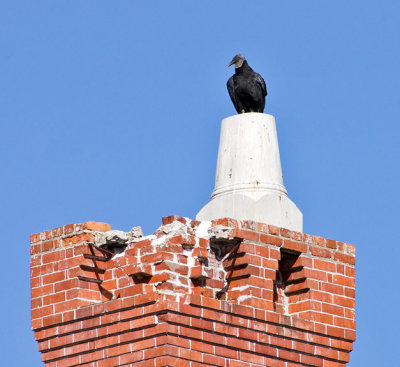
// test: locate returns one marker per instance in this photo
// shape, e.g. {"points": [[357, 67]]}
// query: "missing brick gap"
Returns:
{"points": [[222, 248], [115, 242], [286, 275], [224, 251], [199, 282], [287, 265], [202, 261]]}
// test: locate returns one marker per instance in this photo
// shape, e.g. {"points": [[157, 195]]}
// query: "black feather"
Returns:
{"points": [[247, 89]]}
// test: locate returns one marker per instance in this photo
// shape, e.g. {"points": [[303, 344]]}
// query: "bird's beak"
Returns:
{"points": [[231, 63]]}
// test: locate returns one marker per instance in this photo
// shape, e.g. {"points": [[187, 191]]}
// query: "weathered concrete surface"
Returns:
{"points": [[248, 180], [116, 237]]}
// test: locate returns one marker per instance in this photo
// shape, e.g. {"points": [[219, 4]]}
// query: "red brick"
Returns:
{"points": [[346, 281], [281, 342], [303, 346], [284, 232], [172, 218], [321, 252], [246, 235], [315, 274], [332, 309], [303, 260], [69, 305], [295, 246], [235, 261], [92, 356], [274, 254], [331, 244], [191, 355], [173, 267], [296, 287], [213, 338], [273, 230], [54, 298], [297, 236], [52, 320], [53, 278], [226, 353], [313, 361], [48, 245], [320, 328], [350, 292], [350, 271], [271, 240], [73, 240], [325, 265], [317, 316], [226, 222], [97, 226], [204, 243], [343, 301], [332, 288], [350, 334], [35, 249], [266, 350], [251, 358], [244, 272], [135, 289], [52, 257], [336, 332], [262, 251], [345, 323], [301, 306], [213, 360], [34, 238], [318, 240], [289, 355], [349, 259], [42, 291], [226, 329], [200, 252], [69, 228]]}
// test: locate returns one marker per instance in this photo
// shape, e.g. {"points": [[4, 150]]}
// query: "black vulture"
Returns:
{"points": [[246, 87]]}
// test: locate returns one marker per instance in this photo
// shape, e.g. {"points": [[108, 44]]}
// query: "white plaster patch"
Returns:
{"points": [[203, 229]]}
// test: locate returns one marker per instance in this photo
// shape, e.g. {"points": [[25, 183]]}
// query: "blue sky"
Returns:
{"points": [[110, 111]]}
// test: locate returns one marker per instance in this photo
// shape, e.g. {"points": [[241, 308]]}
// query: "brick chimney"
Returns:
{"points": [[220, 292]]}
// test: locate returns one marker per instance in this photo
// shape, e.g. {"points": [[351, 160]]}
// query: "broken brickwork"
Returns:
{"points": [[220, 293]]}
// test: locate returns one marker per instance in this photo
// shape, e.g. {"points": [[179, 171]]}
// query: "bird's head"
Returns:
{"points": [[238, 60]]}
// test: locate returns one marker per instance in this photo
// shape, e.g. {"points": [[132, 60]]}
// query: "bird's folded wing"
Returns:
{"points": [[258, 79], [231, 91]]}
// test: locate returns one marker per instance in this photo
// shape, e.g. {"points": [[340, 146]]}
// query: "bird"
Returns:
{"points": [[246, 88]]}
